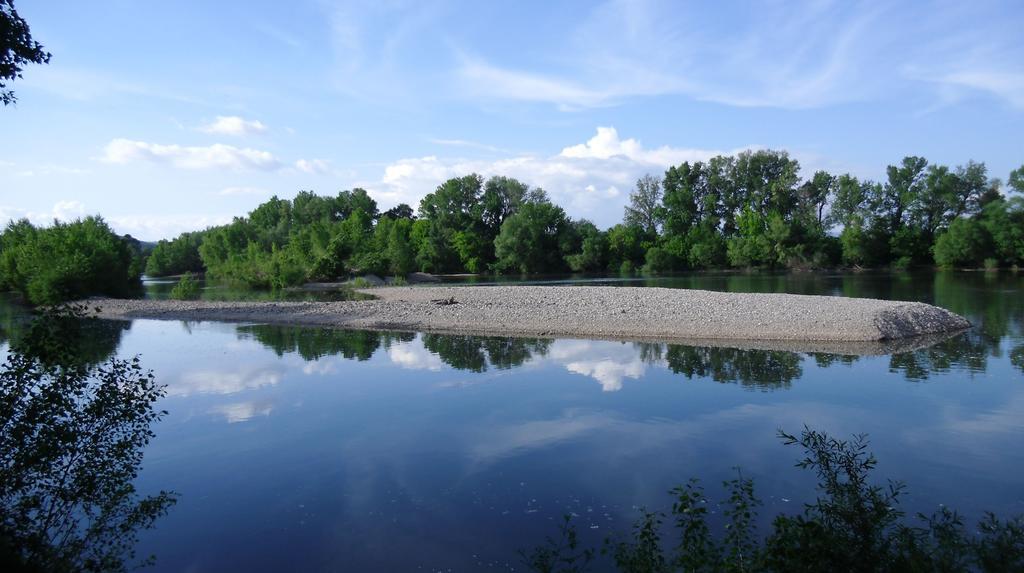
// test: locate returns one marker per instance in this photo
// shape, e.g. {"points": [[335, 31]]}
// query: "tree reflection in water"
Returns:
{"points": [[476, 352], [316, 343], [72, 433]]}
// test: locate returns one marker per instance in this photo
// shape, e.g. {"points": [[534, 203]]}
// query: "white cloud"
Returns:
{"points": [[590, 180], [223, 382], [234, 125], [154, 227], [607, 144], [144, 227], [243, 411], [216, 156], [1006, 85], [485, 80], [795, 55], [607, 362], [414, 356], [790, 57], [608, 373], [313, 166], [320, 367], [66, 210]]}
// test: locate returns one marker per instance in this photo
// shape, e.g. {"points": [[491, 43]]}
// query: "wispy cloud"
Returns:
{"points": [[234, 125], [465, 143], [313, 166], [793, 55], [232, 191], [1006, 85], [213, 156]]}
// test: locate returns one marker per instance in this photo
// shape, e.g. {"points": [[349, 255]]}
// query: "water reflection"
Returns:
{"points": [[316, 343], [90, 341], [607, 362], [72, 435]]}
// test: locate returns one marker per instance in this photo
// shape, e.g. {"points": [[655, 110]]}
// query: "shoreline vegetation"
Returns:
{"points": [[818, 323], [748, 211]]}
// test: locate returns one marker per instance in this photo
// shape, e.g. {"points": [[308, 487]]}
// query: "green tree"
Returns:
{"points": [[452, 214], [592, 255], [1016, 179], [72, 436], [644, 209], [529, 239], [176, 256], [814, 196], [901, 191], [502, 197], [17, 49], [966, 243], [66, 261], [626, 248], [400, 211], [1004, 221]]}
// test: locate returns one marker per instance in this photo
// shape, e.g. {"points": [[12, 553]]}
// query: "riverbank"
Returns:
{"points": [[773, 321]]}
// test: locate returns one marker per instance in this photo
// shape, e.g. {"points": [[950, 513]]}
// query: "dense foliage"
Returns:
{"points": [[67, 261], [175, 257], [853, 525], [17, 48], [186, 289], [748, 210]]}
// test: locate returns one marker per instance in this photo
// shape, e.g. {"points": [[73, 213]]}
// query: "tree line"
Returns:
{"points": [[742, 211], [751, 210]]}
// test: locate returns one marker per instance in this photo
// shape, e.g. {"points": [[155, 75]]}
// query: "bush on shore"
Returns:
{"points": [[66, 261]]}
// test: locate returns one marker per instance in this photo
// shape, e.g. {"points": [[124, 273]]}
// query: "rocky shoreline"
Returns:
{"points": [[770, 321]]}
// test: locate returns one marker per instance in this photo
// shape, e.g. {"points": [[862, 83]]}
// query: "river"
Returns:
{"points": [[314, 449]]}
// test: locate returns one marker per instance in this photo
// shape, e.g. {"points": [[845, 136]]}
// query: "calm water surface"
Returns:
{"points": [[317, 449]]}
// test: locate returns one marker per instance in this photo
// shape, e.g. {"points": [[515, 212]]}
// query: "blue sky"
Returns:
{"points": [[171, 116]]}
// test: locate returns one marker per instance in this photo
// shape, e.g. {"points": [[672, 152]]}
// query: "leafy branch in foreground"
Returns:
{"points": [[853, 525], [71, 441]]}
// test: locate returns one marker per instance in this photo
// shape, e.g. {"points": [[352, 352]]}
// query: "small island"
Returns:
{"points": [[785, 321]]}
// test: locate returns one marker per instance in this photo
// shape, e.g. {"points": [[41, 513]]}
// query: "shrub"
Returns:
{"points": [[66, 261], [902, 263], [186, 289], [659, 261], [853, 525], [964, 244], [991, 264]]}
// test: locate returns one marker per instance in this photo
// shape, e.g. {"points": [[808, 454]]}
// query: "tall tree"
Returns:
{"points": [[17, 49], [644, 209], [901, 190], [455, 235], [1016, 179], [684, 186], [814, 195], [501, 199]]}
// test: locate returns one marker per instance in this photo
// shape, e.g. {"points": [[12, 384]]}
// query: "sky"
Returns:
{"points": [[166, 117]]}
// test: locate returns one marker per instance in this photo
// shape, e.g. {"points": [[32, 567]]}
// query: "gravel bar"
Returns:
{"points": [[771, 321]]}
